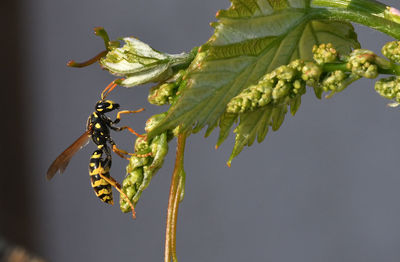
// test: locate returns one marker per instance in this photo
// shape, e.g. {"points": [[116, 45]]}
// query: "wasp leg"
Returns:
{"points": [[125, 127], [126, 112], [144, 155], [121, 153], [129, 129], [108, 89], [117, 186]]}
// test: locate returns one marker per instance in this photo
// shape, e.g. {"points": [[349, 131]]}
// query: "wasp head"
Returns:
{"points": [[104, 106]]}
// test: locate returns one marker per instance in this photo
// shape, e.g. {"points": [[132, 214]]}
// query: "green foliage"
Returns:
{"points": [[251, 39], [138, 63], [250, 73], [275, 92]]}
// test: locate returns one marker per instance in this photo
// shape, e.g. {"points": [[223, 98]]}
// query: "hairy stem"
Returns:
{"points": [[367, 6], [393, 70], [364, 12], [174, 199]]}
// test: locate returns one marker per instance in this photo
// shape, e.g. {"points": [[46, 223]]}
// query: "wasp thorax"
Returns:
{"points": [[104, 106]]}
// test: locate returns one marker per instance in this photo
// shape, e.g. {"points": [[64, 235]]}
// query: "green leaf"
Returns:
{"points": [[225, 125], [251, 38], [252, 124]]}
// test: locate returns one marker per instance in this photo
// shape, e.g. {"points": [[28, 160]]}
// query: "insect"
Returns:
{"points": [[98, 128]]}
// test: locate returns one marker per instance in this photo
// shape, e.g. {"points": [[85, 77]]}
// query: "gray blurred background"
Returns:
{"points": [[325, 187]]}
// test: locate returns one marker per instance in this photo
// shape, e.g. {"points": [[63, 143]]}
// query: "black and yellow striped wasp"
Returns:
{"points": [[98, 128]]}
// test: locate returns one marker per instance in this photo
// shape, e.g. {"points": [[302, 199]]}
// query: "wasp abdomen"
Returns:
{"points": [[100, 165]]}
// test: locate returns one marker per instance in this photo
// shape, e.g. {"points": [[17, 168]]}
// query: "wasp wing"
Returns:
{"points": [[61, 162]]}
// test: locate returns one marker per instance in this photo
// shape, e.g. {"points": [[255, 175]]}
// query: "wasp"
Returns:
{"points": [[98, 128]]}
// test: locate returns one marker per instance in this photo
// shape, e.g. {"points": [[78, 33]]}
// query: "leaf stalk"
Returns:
{"points": [[175, 195]]}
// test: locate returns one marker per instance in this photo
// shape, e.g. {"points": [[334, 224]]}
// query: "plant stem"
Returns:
{"points": [[393, 70], [367, 6], [364, 12], [176, 188]]}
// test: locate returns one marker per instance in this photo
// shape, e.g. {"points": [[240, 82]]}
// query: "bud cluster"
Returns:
{"points": [[325, 53], [149, 157], [329, 72], [389, 88], [285, 81], [392, 51], [362, 63], [336, 82], [166, 92]]}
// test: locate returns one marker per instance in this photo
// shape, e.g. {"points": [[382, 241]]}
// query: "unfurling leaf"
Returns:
{"points": [[138, 63]]}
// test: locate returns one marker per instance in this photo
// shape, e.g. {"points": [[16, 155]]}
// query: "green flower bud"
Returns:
{"points": [[389, 88], [141, 169], [266, 94], [392, 51], [253, 97], [159, 149], [154, 121], [363, 63], [297, 65], [147, 176], [299, 87], [334, 81], [285, 73], [130, 186], [243, 101], [281, 83], [324, 53], [135, 162], [162, 94], [141, 144], [281, 90], [311, 73]]}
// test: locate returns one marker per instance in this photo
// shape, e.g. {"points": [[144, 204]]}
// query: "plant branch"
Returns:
{"points": [[367, 6], [369, 13], [331, 67], [175, 195]]}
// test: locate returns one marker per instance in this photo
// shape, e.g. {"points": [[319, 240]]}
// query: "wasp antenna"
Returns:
{"points": [[110, 87], [108, 90], [73, 63]]}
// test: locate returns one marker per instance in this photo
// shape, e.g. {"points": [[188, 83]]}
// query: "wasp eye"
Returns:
{"points": [[109, 106]]}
